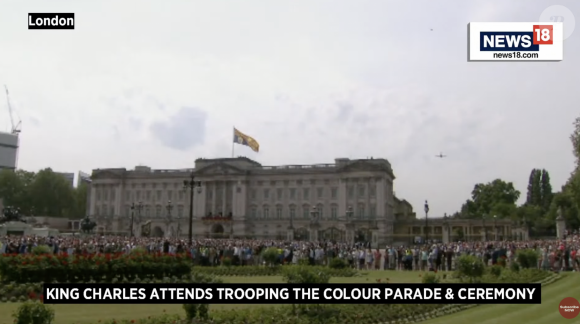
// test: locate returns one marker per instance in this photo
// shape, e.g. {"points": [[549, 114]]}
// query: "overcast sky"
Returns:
{"points": [[162, 83]]}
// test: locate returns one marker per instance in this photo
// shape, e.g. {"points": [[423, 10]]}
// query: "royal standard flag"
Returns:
{"points": [[243, 139]]}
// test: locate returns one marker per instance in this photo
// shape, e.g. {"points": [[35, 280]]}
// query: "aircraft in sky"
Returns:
{"points": [[441, 155]]}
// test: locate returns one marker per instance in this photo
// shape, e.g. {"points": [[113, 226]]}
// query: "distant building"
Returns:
{"points": [[8, 150], [70, 177], [85, 178]]}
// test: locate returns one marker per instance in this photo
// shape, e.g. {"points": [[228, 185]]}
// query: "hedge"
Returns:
{"points": [[24, 268]]}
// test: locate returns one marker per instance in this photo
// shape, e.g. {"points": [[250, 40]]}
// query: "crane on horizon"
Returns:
{"points": [[440, 155], [16, 128]]}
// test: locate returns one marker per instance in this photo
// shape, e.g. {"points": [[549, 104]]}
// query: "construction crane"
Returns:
{"points": [[15, 127]]}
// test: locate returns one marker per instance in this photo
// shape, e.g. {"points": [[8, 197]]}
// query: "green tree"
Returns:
{"points": [[51, 194], [488, 197], [546, 187]]}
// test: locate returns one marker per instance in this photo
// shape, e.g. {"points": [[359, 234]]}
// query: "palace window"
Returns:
{"points": [[373, 190], [169, 195], [266, 212], [158, 194], [128, 210], [292, 211], [158, 211], [138, 195], [148, 195], [333, 212], [306, 212], [333, 193], [373, 211], [147, 210], [350, 192], [361, 211], [180, 211], [320, 210], [279, 193], [266, 193], [112, 211], [361, 191], [306, 194], [254, 212], [127, 195], [279, 212], [292, 193], [97, 210], [181, 195], [253, 194], [320, 192]]}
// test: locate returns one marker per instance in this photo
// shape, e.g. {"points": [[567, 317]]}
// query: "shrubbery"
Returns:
{"points": [[25, 268], [527, 259], [33, 312], [253, 271], [469, 267]]}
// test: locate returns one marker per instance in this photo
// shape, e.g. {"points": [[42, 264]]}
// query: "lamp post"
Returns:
{"points": [[484, 228], [138, 207], [426, 222], [190, 184], [495, 227], [349, 213], [169, 208]]}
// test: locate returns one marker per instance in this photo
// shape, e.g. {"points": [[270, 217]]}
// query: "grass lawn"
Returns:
{"points": [[547, 312], [83, 314]]}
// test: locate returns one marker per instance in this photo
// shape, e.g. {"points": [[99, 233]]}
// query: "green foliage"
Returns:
{"points": [[271, 256], [496, 270], [575, 139], [33, 312], [305, 275], [44, 193], [515, 267], [469, 267], [338, 263], [259, 271], [528, 258], [41, 249], [430, 278], [196, 311], [25, 268]]}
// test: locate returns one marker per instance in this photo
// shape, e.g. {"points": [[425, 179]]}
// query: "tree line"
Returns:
{"points": [[540, 209], [42, 193]]}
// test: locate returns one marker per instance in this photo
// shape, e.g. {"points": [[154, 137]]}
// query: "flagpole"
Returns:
{"points": [[233, 144]]}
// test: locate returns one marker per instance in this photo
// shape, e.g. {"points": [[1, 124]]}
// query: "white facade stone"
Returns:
{"points": [[263, 200]]}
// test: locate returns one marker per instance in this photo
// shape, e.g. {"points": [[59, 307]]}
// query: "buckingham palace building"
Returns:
{"points": [[348, 200]]}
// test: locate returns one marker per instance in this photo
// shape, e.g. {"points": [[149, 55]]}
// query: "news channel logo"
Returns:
{"points": [[516, 41], [51, 21]]}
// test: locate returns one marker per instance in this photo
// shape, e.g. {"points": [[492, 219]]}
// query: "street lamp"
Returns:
{"points": [[349, 213], [495, 227], [134, 207], [426, 222], [484, 228], [190, 184]]}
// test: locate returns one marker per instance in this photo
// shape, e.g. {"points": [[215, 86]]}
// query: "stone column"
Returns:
{"points": [[445, 231], [560, 225], [225, 197], [290, 234], [314, 228], [342, 198], [214, 198]]}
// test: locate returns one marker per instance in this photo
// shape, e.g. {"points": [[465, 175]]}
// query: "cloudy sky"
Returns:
{"points": [[162, 83]]}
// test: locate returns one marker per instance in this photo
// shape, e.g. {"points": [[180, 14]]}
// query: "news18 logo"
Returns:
{"points": [[516, 41], [51, 21]]}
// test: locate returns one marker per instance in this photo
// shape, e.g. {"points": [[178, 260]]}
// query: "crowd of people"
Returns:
{"points": [[553, 254]]}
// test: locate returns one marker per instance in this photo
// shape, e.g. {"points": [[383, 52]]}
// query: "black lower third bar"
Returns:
{"points": [[292, 294]]}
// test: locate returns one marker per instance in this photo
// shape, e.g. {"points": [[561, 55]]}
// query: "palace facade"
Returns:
{"points": [[349, 200]]}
